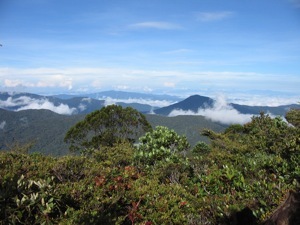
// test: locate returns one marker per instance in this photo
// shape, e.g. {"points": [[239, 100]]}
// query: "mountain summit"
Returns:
{"points": [[192, 103]]}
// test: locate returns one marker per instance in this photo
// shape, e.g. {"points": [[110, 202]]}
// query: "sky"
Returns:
{"points": [[240, 49]]}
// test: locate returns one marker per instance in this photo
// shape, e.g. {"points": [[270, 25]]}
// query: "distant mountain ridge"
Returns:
{"points": [[81, 104], [69, 104], [132, 95], [196, 102], [75, 105], [47, 129]]}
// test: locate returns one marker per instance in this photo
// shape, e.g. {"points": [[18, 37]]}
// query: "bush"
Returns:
{"points": [[161, 145]]}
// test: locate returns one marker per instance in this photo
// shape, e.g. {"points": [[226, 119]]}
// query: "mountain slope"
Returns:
{"points": [[192, 103], [47, 129], [43, 127], [196, 102], [190, 126]]}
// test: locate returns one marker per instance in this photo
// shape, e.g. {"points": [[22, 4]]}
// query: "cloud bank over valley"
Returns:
{"points": [[151, 102], [220, 112], [25, 102]]}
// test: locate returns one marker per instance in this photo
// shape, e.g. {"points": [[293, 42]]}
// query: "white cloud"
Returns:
{"points": [[88, 100], [50, 79], [220, 112], [82, 79], [155, 25], [12, 102], [2, 125], [16, 83], [169, 84], [178, 51], [56, 80], [60, 109], [154, 103], [82, 107], [263, 100], [25, 102], [213, 16]]}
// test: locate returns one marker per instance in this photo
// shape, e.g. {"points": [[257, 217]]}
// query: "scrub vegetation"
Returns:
{"points": [[161, 180]]}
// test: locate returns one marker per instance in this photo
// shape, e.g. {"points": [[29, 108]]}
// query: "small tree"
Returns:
{"points": [[162, 144], [105, 127]]}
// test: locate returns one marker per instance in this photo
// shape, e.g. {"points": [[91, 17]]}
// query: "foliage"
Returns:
{"points": [[160, 145], [107, 126], [251, 166], [293, 117], [21, 148], [201, 148]]}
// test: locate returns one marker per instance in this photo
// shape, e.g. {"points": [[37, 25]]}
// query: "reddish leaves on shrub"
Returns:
{"points": [[100, 181]]}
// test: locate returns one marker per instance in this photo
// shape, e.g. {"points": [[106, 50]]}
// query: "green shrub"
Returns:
{"points": [[161, 145]]}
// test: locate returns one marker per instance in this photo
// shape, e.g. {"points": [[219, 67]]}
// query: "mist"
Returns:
{"points": [[24, 103], [2, 125], [154, 103], [220, 112]]}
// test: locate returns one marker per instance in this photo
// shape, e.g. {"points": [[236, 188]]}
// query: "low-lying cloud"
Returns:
{"points": [[25, 103], [154, 103], [220, 112], [2, 125]]}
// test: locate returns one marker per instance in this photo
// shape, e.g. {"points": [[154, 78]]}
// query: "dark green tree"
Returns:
{"points": [[293, 117], [106, 127]]}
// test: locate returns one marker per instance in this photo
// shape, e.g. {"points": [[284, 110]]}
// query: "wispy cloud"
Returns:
{"points": [[47, 78], [2, 125], [155, 25], [213, 16], [24, 103], [178, 51], [92, 79], [154, 103]]}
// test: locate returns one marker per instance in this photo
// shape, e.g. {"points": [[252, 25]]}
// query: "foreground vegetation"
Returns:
{"points": [[160, 181]]}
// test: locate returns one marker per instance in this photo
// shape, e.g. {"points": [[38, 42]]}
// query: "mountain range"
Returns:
{"points": [[83, 104], [145, 103], [44, 120]]}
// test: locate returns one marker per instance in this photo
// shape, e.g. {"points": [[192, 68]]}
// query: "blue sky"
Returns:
{"points": [[182, 47]]}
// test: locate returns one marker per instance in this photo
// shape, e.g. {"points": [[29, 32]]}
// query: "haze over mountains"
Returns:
{"points": [[166, 105], [44, 120]]}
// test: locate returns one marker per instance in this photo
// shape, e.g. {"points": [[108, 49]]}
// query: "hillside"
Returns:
{"points": [[190, 126], [47, 129], [43, 127]]}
